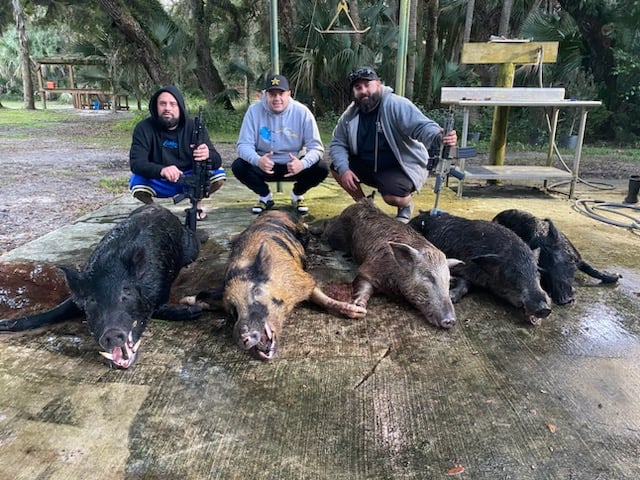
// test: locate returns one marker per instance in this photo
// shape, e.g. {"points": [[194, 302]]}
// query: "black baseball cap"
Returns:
{"points": [[276, 82], [363, 73]]}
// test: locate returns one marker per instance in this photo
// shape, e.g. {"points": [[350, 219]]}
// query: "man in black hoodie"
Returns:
{"points": [[161, 150]]}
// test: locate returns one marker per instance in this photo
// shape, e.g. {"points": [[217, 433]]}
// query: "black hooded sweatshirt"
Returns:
{"points": [[153, 146]]}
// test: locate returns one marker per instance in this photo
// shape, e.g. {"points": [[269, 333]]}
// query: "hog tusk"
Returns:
{"points": [[135, 348], [107, 355], [268, 331]]}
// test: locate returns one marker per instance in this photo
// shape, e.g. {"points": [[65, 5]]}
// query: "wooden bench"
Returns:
{"points": [[518, 97]]}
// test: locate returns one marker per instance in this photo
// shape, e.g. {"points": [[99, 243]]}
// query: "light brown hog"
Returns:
{"points": [[265, 278], [394, 260]]}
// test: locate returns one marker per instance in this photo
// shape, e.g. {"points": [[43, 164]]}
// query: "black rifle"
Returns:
{"points": [[196, 185], [442, 165]]}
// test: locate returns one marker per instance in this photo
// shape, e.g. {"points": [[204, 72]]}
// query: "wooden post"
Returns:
{"points": [[507, 54], [506, 73]]}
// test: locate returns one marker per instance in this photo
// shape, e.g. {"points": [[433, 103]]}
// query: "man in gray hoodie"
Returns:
{"points": [[381, 140], [279, 140]]}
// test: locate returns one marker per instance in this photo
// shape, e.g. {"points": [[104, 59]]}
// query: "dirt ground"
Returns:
{"points": [[53, 174]]}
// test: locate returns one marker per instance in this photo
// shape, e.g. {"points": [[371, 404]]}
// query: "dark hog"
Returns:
{"points": [[558, 260], [393, 260], [265, 279], [494, 258], [126, 280]]}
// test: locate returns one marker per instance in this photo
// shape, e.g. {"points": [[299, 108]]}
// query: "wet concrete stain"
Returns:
{"points": [[387, 397]]}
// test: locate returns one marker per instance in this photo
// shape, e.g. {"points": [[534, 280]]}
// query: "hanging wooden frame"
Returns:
{"points": [[342, 7]]}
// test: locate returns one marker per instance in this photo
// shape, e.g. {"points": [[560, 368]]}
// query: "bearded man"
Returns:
{"points": [[381, 140], [161, 150]]}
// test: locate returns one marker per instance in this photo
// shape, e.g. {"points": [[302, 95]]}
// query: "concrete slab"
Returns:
{"points": [[386, 397]]}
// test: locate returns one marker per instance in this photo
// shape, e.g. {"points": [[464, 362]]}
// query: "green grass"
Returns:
{"points": [[224, 127], [114, 185]]}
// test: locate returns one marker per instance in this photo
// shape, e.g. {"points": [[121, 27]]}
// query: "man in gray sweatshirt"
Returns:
{"points": [[381, 140], [279, 140]]}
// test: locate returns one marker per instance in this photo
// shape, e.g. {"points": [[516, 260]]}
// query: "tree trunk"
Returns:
{"points": [[25, 58], [505, 16], [206, 73], [288, 23], [147, 51], [412, 49], [468, 21], [431, 19]]}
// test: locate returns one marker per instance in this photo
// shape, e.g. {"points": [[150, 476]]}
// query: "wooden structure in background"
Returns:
{"points": [[83, 97], [507, 54]]}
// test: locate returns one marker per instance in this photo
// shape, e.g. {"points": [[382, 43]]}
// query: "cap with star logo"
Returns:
{"points": [[276, 82]]}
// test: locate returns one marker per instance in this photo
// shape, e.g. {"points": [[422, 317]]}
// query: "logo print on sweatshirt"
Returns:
{"points": [[267, 134], [170, 144]]}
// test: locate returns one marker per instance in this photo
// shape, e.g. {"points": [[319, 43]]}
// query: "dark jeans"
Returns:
{"points": [[256, 179]]}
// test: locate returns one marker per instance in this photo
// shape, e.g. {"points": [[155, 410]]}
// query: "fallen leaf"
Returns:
{"points": [[552, 428], [457, 470]]}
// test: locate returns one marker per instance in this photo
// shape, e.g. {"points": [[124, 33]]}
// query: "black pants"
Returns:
{"points": [[256, 179]]}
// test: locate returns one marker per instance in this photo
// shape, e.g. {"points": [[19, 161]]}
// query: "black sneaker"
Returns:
{"points": [[262, 206], [144, 197]]}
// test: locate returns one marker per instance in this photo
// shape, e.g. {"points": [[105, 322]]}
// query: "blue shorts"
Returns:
{"points": [[162, 188]]}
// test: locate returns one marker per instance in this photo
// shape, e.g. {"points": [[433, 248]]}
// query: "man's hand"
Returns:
{"points": [[172, 173], [201, 153], [450, 138], [294, 167], [265, 163], [350, 181]]}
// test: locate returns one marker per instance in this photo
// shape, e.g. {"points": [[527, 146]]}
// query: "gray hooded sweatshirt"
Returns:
{"points": [[407, 130]]}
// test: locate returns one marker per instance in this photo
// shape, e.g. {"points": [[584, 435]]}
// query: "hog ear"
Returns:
{"points": [[74, 280], [553, 231], [487, 262], [262, 264], [404, 254], [136, 262]]}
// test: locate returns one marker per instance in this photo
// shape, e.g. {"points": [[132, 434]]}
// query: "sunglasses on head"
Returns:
{"points": [[361, 72]]}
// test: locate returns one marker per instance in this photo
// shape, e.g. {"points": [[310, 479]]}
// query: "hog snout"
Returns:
{"points": [[448, 322], [247, 338], [119, 347], [112, 338], [262, 343]]}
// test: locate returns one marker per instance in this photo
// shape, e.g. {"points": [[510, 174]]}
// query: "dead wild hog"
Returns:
{"points": [[126, 280], [558, 259], [265, 278], [494, 259], [394, 260]]}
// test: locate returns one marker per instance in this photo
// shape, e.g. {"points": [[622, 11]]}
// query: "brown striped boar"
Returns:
{"points": [[265, 278], [494, 258], [393, 260], [126, 279], [558, 260]]}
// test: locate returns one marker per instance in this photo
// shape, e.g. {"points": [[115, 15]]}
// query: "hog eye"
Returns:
{"points": [[256, 291]]}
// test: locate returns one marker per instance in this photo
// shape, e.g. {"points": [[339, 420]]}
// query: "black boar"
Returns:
{"points": [[265, 278], [126, 280], [494, 257], [558, 260], [394, 260]]}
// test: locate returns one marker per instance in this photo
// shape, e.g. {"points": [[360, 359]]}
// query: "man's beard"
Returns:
{"points": [[168, 123], [369, 104]]}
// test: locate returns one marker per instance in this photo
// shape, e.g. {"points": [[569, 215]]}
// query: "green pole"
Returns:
{"points": [[403, 36], [275, 55], [275, 52]]}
